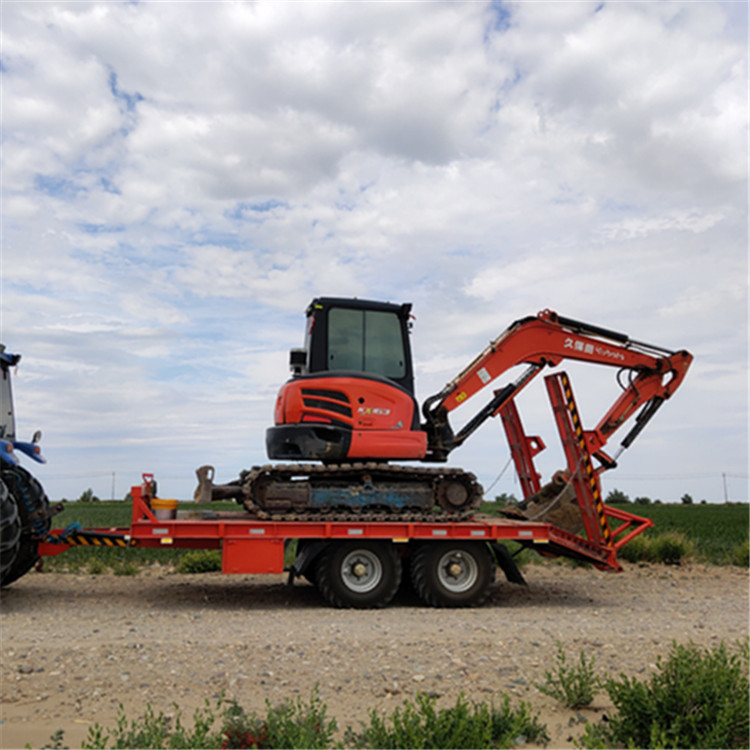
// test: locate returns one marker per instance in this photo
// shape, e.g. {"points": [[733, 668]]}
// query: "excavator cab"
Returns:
{"points": [[351, 396]]}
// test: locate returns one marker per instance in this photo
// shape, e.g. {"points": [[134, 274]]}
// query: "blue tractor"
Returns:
{"points": [[24, 507]]}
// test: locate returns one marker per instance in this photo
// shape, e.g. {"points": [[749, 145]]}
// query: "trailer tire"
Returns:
{"points": [[361, 575], [452, 574], [34, 516], [10, 533]]}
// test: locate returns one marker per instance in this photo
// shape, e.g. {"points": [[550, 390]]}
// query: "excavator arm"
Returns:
{"points": [[653, 374]]}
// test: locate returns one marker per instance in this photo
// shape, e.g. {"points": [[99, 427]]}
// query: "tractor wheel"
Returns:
{"points": [[358, 574], [452, 574], [33, 512], [10, 533]]}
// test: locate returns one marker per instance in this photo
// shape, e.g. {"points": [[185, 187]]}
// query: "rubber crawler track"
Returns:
{"points": [[256, 479]]}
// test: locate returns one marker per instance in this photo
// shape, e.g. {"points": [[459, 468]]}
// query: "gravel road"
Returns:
{"points": [[75, 646]]}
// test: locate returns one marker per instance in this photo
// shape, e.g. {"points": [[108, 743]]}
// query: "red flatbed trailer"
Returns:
{"points": [[356, 563], [352, 562]]}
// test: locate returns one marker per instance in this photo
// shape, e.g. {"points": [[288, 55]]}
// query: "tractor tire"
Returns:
{"points": [[10, 533], [361, 575], [452, 574], [34, 515]]}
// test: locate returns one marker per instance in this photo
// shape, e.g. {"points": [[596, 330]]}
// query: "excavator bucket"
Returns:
{"points": [[556, 503]]}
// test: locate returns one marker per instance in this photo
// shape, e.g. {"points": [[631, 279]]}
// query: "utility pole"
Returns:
{"points": [[113, 486], [726, 495]]}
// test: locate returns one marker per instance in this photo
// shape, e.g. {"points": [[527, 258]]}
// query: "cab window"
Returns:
{"points": [[365, 341]]}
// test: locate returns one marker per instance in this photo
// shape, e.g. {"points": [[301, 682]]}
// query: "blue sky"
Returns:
{"points": [[180, 179]]}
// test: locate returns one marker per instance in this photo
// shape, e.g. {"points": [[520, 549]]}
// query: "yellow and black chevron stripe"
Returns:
{"points": [[95, 539], [588, 467]]}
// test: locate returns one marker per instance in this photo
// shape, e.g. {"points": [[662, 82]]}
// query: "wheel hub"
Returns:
{"points": [[361, 571], [454, 570], [457, 572]]}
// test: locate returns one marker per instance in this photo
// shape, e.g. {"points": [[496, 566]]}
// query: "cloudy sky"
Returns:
{"points": [[180, 179]]}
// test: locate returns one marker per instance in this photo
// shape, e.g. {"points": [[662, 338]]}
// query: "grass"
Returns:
{"points": [[715, 531], [416, 723], [715, 534], [572, 685], [694, 698]]}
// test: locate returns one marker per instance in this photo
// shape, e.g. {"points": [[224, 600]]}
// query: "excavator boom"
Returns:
{"points": [[546, 340]]}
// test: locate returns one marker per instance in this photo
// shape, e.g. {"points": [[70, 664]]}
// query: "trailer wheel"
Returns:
{"points": [[10, 533], [452, 574], [358, 574], [34, 516]]}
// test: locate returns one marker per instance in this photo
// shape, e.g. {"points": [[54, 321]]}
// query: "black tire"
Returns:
{"points": [[311, 573], [452, 574], [33, 512], [358, 574], [10, 532]]}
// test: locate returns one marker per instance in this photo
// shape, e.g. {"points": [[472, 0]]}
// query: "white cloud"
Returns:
{"points": [[179, 179]]}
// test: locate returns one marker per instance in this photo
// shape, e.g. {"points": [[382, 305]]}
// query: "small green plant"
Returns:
{"points": [[158, 731], [200, 561], [741, 554], [420, 724], [572, 685], [669, 548], [516, 725], [126, 568], [55, 742], [288, 725], [96, 567], [695, 699]]}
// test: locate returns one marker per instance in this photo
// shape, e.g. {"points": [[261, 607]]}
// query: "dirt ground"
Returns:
{"points": [[76, 646]]}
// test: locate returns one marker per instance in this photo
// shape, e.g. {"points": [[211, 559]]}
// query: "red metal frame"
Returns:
{"points": [[522, 449], [601, 543]]}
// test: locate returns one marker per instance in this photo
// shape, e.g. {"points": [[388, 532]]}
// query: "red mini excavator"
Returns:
{"points": [[350, 408]]}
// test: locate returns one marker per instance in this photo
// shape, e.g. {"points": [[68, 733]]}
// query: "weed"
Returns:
{"points": [[156, 731], [96, 567], [517, 725], [573, 686], [55, 742], [200, 561], [741, 555], [696, 699], [296, 725], [669, 548], [288, 725], [421, 725], [126, 568]]}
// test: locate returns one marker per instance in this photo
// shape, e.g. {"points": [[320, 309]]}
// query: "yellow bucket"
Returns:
{"points": [[164, 509]]}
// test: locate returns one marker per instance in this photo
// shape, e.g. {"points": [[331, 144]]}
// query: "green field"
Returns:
{"points": [[716, 531]]}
